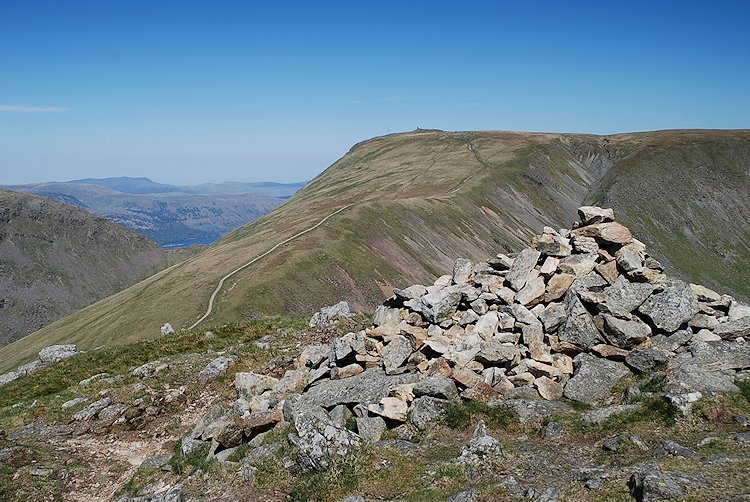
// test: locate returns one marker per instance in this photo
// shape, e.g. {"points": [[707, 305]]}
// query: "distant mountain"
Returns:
{"points": [[125, 184], [168, 214], [412, 201], [56, 259], [140, 186]]}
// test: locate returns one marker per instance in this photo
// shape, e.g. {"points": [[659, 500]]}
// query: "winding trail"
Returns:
{"points": [[277, 246]]}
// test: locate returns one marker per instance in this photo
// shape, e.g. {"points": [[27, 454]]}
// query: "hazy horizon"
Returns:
{"points": [[190, 93]]}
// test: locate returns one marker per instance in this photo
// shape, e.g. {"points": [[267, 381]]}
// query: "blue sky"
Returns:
{"points": [[186, 92]]}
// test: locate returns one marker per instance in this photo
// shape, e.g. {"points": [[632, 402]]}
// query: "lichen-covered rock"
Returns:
{"points": [[427, 410], [672, 307], [56, 353], [594, 379], [319, 442], [521, 268]]}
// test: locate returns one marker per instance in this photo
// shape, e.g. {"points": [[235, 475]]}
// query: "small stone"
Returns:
{"points": [[217, 367], [347, 371], [548, 388], [669, 448], [553, 431], [391, 408]]}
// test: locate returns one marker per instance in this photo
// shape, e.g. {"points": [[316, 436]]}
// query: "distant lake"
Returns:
{"points": [[200, 240]]}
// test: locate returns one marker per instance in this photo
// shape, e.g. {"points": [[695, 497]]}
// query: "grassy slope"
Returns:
{"points": [[422, 199]]}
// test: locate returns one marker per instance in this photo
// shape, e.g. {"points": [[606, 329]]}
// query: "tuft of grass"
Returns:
{"points": [[239, 453], [744, 386], [351, 424], [340, 478], [198, 460], [461, 415], [653, 410], [654, 383]]}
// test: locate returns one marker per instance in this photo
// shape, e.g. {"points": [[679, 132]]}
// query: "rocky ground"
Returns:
{"points": [[575, 370]]}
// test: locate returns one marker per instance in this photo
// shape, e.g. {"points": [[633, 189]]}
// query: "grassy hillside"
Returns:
{"points": [[55, 259], [421, 199]]}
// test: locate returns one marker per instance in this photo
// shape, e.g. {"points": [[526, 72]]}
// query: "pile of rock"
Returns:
{"points": [[572, 315], [48, 355]]}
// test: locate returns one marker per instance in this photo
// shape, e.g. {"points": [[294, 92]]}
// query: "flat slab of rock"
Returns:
{"points": [[592, 214], [721, 355], [601, 415], [610, 232], [689, 377], [733, 328], [594, 378], [521, 268], [529, 410], [368, 387]]}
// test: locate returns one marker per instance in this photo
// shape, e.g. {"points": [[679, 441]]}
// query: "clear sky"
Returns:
{"points": [[186, 92]]}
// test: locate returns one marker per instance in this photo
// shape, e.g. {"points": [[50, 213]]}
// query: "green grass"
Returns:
{"points": [[461, 415], [118, 360], [744, 386], [184, 466]]}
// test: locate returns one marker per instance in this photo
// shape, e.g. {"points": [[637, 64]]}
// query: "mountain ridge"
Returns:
{"points": [[419, 196]]}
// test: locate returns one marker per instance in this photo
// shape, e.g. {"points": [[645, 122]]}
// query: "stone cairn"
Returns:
{"points": [[572, 315]]}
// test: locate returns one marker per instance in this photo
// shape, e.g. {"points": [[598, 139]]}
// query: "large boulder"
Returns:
{"points": [[426, 410], [594, 379], [56, 353], [319, 442], [623, 297], [672, 307], [733, 328]]}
